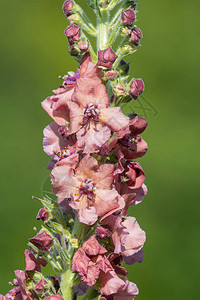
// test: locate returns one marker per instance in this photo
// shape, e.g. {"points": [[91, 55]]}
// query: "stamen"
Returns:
{"points": [[91, 112], [87, 188]]}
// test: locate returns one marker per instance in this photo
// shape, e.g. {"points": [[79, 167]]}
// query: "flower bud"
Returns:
{"points": [[68, 4], [83, 46], [73, 33], [103, 3], [136, 35], [111, 75], [119, 89], [75, 19], [136, 88], [43, 214], [128, 17], [74, 50], [133, 4], [127, 49], [106, 58], [42, 241], [126, 31]]}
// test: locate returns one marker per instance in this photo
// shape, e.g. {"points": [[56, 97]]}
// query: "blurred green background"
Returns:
{"points": [[34, 52]]}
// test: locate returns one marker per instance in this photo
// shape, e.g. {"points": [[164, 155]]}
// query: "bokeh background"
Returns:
{"points": [[33, 54]]}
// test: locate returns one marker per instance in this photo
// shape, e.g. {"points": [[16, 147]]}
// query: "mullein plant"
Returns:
{"points": [[86, 234]]}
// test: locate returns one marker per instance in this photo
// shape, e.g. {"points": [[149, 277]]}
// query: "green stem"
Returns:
{"points": [[84, 16], [114, 33], [113, 3], [103, 29], [116, 17], [68, 277], [67, 284]]}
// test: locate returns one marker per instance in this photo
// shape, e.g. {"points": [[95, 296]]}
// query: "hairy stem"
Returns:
{"points": [[68, 277], [103, 29]]}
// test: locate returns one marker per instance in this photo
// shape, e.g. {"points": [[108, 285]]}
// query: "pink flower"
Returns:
{"points": [[89, 260], [110, 283], [91, 263], [33, 264], [131, 196], [20, 292], [57, 105], [129, 182], [137, 257], [128, 291], [89, 189], [60, 145], [128, 238], [129, 172], [91, 117], [128, 140]]}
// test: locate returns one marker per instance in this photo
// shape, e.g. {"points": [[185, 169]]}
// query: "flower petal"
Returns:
{"points": [[114, 118]]}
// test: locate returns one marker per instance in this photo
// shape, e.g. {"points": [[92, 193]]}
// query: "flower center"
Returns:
{"points": [[91, 112], [87, 188], [128, 140], [64, 153]]}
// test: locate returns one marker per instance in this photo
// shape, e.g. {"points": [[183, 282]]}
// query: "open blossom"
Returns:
{"points": [[57, 105], [128, 238], [129, 171], [61, 146], [127, 292], [88, 186], [131, 196], [91, 117], [20, 290], [32, 263], [128, 140], [129, 182]]}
